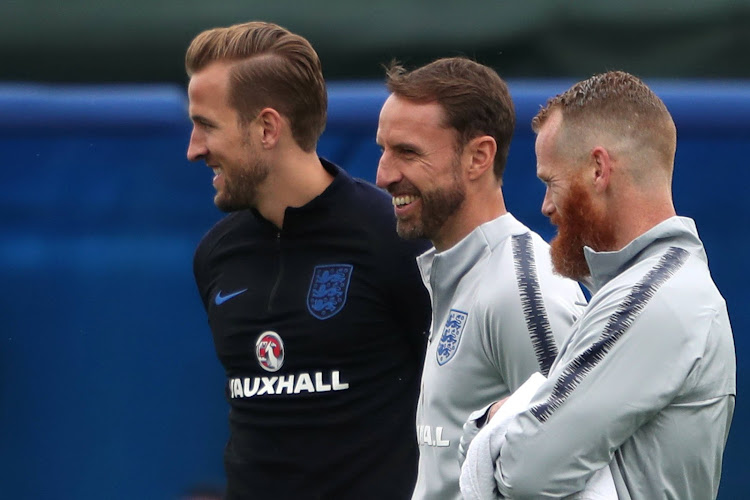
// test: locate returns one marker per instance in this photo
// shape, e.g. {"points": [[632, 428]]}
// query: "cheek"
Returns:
{"points": [[558, 202], [410, 172], [552, 196], [562, 196]]}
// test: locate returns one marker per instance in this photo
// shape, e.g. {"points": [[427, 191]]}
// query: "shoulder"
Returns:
{"points": [[683, 291], [518, 284], [523, 261], [369, 211], [369, 201], [671, 292], [356, 199], [224, 230], [670, 276]]}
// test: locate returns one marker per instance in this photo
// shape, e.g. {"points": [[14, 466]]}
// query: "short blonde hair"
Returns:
{"points": [[618, 103], [274, 68]]}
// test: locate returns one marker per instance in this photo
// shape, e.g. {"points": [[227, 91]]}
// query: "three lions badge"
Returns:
{"points": [[448, 344], [328, 289]]}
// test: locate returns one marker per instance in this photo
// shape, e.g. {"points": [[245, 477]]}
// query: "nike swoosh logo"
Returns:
{"points": [[220, 299]]}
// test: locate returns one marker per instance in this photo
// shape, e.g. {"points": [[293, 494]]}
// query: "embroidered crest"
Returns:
{"points": [[269, 349], [328, 289], [451, 336]]}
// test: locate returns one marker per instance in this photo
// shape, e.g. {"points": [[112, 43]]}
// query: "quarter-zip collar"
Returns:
{"points": [[675, 231]]}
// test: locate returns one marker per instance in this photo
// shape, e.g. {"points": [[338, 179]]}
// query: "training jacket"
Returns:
{"points": [[498, 314], [646, 382]]}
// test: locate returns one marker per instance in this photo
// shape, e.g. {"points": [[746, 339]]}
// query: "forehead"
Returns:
{"points": [[546, 146], [210, 85], [400, 116]]}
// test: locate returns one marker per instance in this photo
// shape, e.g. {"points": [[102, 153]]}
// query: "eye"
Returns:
{"points": [[202, 123], [407, 152]]}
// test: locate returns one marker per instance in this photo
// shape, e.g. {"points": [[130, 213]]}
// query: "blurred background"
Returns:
{"points": [[109, 383], [145, 40]]}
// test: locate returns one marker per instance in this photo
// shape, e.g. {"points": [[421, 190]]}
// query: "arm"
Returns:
{"points": [[526, 320], [409, 297], [616, 375], [534, 315]]}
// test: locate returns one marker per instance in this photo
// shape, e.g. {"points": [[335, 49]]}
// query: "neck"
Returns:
{"points": [[475, 211], [296, 179], [644, 213]]}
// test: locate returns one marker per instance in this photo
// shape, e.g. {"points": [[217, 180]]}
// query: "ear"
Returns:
{"points": [[602, 168], [271, 124], [482, 152]]}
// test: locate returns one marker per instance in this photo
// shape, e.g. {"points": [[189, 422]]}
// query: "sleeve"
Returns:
{"points": [[409, 297], [396, 268], [200, 272], [626, 362], [202, 259]]}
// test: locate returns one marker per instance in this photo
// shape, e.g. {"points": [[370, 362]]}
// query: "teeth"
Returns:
{"points": [[403, 200]]}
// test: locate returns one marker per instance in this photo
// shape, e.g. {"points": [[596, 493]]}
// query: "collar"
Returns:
{"points": [[456, 261], [341, 179], [675, 231]]}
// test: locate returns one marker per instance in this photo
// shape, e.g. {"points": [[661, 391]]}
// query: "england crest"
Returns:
{"points": [[328, 289], [448, 344]]}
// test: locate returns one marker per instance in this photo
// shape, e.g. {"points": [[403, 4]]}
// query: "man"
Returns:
{"points": [[647, 379], [317, 309], [498, 311]]}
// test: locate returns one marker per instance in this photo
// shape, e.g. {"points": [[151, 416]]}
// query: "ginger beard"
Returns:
{"points": [[438, 205], [580, 225]]}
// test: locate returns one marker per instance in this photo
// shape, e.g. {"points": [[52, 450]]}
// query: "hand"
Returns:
{"points": [[470, 430], [473, 425], [493, 409]]}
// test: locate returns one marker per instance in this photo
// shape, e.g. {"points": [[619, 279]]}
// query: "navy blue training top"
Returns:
{"points": [[320, 327]]}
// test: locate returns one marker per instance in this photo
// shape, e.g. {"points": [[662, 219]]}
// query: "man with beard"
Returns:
{"points": [[316, 307], [498, 311], [646, 382]]}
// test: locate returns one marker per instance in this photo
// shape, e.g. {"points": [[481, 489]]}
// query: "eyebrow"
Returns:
{"points": [[201, 119], [406, 145], [402, 146]]}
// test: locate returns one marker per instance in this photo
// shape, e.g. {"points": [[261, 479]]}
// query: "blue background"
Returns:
{"points": [[109, 383]]}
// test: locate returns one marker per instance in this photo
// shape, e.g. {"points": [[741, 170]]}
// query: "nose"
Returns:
{"points": [[386, 174], [197, 146], [548, 208]]}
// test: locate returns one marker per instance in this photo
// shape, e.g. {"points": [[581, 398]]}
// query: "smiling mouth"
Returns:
{"points": [[402, 201], [218, 178]]}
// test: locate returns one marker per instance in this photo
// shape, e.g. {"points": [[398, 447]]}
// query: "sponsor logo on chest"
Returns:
{"points": [[269, 349], [299, 383], [428, 435], [270, 354]]}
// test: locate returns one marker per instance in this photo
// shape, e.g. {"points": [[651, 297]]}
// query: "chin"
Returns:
{"points": [[223, 204], [409, 231]]}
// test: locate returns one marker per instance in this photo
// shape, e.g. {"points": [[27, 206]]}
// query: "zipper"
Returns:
{"points": [[279, 274]]}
